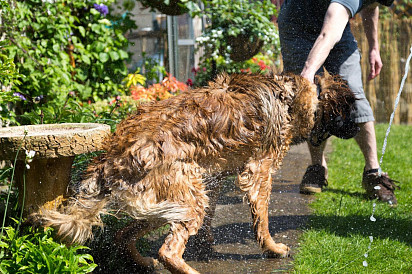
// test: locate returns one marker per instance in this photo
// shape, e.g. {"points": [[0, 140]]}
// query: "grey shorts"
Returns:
{"points": [[344, 59]]}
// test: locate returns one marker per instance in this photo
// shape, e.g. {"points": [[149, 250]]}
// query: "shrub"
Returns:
{"points": [[9, 79], [65, 47], [168, 87], [36, 252], [238, 31]]}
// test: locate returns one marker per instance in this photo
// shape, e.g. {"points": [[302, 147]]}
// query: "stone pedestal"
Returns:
{"points": [[45, 182]]}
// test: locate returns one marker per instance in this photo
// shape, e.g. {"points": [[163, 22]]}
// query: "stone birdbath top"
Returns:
{"points": [[48, 174]]}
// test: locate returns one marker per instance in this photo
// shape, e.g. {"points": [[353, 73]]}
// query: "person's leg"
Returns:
{"points": [[367, 143], [316, 154], [377, 184]]}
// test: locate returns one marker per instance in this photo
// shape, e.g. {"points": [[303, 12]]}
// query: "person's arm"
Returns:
{"points": [[336, 18], [370, 16]]}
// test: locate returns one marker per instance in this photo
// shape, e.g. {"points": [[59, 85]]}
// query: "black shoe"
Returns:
{"points": [[314, 180]]}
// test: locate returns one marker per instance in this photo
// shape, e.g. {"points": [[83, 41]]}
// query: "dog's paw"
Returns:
{"points": [[150, 263], [278, 251]]}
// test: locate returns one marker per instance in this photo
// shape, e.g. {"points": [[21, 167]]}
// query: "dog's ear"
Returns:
{"points": [[326, 74]]}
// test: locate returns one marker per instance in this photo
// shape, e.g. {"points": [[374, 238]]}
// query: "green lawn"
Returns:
{"points": [[337, 236]]}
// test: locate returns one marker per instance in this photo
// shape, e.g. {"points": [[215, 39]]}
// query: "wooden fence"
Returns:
{"points": [[395, 36]]}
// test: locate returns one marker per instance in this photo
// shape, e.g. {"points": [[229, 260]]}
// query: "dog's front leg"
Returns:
{"points": [[257, 181]]}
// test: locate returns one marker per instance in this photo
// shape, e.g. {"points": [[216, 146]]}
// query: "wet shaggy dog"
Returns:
{"points": [[161, 162]]}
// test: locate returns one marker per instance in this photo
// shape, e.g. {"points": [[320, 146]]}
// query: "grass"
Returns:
{"points": [[338, 234]]}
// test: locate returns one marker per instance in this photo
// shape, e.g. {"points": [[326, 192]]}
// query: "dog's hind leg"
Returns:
{"points": [[257, 181], [188, 190], [172, 250], [126, 241]]}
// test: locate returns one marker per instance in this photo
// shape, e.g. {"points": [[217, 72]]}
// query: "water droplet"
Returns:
{"points": [[373, 219], [365, 263], [377, 187]]}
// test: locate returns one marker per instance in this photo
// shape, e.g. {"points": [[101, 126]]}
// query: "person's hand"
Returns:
{"points": [[375, 63], [308, 75]]}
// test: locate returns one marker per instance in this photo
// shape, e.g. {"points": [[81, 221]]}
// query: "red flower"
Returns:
{"points": [[189, 82], [262, 65], [246, 70]]}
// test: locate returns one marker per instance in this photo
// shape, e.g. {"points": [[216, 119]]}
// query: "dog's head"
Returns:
{"points": [[333, 112]]}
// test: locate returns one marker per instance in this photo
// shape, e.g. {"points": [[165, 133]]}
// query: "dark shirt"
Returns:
{"points": [[305, 17]]}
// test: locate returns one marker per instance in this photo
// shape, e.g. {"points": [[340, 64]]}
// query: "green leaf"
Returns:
{"points": [[82, 31], [123, 54], [103, 57], [114, 55], [66, 78], [56, 47], [99, 46], [86, 59]]}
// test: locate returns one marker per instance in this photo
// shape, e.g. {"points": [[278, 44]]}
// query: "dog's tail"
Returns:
{"points": [[74, 220]]}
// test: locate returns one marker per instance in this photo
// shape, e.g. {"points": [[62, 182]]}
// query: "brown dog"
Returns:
{"points": [[159, 161]]}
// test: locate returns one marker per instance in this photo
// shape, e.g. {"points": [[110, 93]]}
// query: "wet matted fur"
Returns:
{"points": [[160, 163]]}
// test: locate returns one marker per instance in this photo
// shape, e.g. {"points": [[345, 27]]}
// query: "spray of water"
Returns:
{"points": [[372, 218], [396, 105]]}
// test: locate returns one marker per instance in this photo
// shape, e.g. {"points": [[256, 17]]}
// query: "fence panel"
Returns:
{"points": [[395, 41]]}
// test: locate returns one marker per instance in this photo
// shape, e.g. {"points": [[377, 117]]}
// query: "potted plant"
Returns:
{"points": [[239, 29], [171, 7]]}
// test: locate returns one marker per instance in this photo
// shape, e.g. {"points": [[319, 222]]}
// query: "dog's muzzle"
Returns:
{"points": [[344, 128]]}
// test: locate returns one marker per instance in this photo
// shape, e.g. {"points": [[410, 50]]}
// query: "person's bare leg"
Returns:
{"points": [[366, 140], [376, 184]]}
